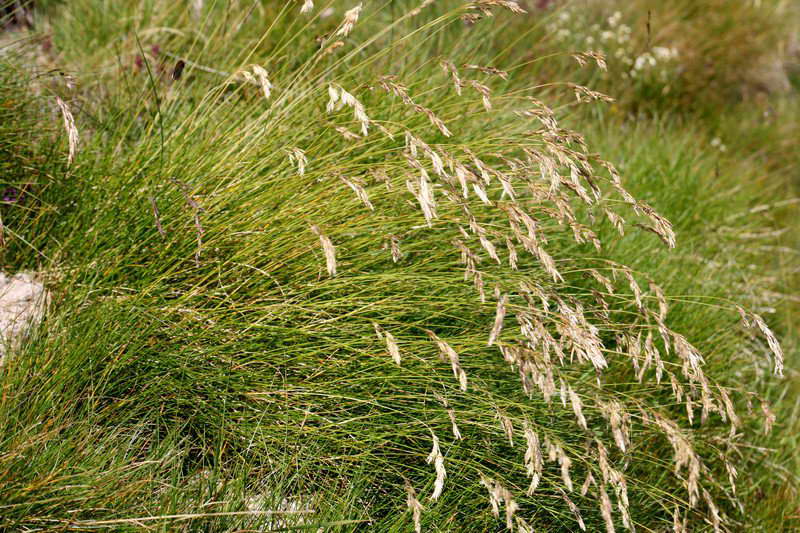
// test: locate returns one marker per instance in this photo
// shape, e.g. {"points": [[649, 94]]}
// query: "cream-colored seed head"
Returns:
{"points": [[69, 126], [350, 19], [328, 250]]}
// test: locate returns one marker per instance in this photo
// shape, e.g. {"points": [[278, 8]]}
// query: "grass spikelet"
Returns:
{"points": [[339, 97], [488, 70], [577, 408], [414, 506], [566, 463], [391, 343], [456, 432], [494, 496], [499, 494], [358, 187], [534, 461], [574, 508], [485, 93], [437, 459], [511, 5], [769, 417], [350, 19], [605, 510], [451, 69], [587, 483], [417, 10], [298, 157], [772, 340], [262, 76], [307, 7], [423, 192], [507, 426], [499, 316], [71, 129], [347, 134], [447, 353], [394, 247], [327, 249]]}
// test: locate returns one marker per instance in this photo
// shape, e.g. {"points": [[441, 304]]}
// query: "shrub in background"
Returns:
{"points": [[684, 54]]}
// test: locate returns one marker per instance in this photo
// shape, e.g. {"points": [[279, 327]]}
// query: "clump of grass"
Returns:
{"points": [[326, 263]]}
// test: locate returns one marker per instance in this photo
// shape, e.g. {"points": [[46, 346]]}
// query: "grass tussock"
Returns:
{"points": [[346, 266]]}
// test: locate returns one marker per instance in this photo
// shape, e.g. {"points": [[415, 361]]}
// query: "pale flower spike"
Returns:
{"points": [[72, 131], [391, 345], [308, 6], [298, 156], [328, 249], [414, 506], [437, 459], [350, 19], [263, 80]]}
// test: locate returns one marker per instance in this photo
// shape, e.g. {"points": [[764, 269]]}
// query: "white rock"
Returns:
{"points": [[23, 302]]}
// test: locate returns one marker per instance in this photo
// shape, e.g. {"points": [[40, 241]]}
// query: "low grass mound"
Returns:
{"points": [[340, 268]]}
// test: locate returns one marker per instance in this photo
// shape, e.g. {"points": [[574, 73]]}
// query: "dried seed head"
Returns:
{"points": [[390, 85], [450, 68], [414, 506], [498, 320], [599, 59], [358, 187], [576, 408], [507, 427], [494, 498], [484, 5], [328, 249], [565, 463], [394, 247], [347, 134], [298, 156], [456, 433], [333, 98], [417, 10], [262, 76], [769, 417], [437, 459], [772, 340], [662, 301], [485, 93], [605, 510], [332, 47], [488, 70], [678, 526], [391, 344], [423, 192], [637, 292], [498, 494], [350, 19], [69, 126], [534, 462], [588, 482], [574, 508], [339, 97]]}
